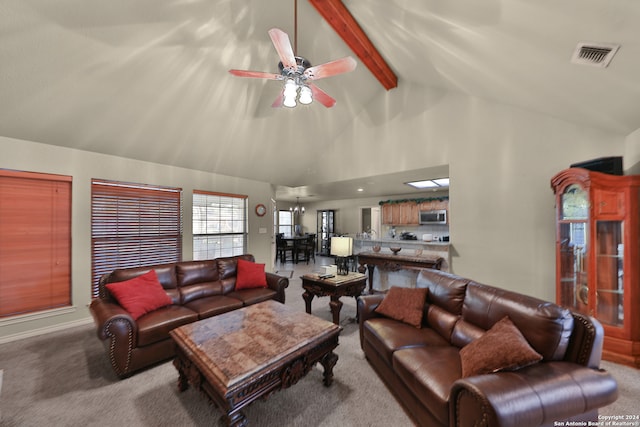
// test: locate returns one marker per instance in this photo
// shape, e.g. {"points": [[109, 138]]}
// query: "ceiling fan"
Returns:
{"points": [[298, 74]]}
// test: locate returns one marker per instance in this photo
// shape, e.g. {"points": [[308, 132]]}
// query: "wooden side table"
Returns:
{"points": [[350, 285]]}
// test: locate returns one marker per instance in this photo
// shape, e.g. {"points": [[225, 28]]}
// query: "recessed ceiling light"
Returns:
{"points": [[422, 184], [360, 190], [429, 183], [442, 182]]}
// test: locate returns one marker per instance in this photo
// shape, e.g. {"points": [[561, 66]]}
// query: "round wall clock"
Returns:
{"points": [[261, 209]]}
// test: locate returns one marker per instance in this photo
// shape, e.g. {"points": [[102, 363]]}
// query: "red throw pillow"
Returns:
{"points": [[501, 348], [250, 275], [404, 304], [140, 295]]}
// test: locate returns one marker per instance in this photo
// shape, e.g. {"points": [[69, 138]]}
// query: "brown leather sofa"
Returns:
{"points": [[422, 366], [198, 289]]}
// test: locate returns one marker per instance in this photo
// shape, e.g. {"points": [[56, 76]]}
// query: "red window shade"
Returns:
{"points": [[35, 242], [133, 225]]}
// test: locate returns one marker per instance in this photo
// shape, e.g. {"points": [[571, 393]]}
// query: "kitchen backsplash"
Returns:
{"points": [[437, 230]]}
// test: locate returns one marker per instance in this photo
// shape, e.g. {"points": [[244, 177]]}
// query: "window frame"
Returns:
{"points": [[290, 226], [219, 243]]}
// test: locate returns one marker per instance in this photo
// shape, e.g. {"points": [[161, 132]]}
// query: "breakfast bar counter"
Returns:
{"points": [[418, 248], [393, 262]]}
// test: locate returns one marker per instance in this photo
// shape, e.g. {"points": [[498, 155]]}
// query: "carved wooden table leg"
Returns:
{"points": [[237, 419], [328, 361], [308, 297], [183, 381], [336, 305]]}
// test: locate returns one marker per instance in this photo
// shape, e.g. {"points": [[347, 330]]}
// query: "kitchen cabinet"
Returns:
{"points": [[598, 255], [434, 205], [403, 213], [409, 214], [387, 213]]}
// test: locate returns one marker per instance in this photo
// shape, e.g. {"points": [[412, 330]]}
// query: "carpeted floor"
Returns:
{"points": [[64, 379]]}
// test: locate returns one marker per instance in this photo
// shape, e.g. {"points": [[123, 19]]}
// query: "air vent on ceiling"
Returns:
{"points": [[594, 54]]}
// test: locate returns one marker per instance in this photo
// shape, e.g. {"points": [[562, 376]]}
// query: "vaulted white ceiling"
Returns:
{"points": [[149, 79]]}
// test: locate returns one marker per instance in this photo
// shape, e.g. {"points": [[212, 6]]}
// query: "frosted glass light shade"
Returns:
{"points": [[305, 95], [289, 101]]}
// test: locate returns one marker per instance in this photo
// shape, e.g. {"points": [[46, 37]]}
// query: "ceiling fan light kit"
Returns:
{"points": [[295, 87], [298, 74]]}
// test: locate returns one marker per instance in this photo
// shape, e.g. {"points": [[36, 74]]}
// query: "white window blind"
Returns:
{"points": [[133, 225], [219, 225]]}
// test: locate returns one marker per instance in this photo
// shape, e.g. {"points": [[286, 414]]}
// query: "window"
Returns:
{"points": [[285, 222], [35, 242], [133, 225], [219, 225]]}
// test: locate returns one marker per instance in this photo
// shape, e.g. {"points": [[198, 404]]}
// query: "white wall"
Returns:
{"points": [[631, 161], [82, 166], [501, 160]]}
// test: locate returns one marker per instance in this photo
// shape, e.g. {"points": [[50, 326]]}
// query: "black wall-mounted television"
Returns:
{"points": [[610, 165]]}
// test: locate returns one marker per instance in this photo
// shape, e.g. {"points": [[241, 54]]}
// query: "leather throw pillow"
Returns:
{"points": [[501, 348], [404, 304], [250, 275], [140, 295]]}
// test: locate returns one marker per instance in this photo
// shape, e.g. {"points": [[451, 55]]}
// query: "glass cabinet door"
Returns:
{"points": [[325, 229], [609, 273], [573, 244]]}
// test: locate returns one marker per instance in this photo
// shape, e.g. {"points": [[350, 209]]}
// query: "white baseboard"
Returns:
{"points": [[45, 330]]}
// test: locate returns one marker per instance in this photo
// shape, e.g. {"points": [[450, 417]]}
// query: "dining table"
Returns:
{"points": [[295, 241]]}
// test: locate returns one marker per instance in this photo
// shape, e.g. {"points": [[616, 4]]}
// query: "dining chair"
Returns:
{"points": [[282, 248], [308, 248]]}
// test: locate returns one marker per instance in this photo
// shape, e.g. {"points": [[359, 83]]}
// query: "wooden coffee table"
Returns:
{"points": [[240, 356], [350, 285]]}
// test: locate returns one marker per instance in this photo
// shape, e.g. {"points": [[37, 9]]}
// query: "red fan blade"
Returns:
{"points": [[256, 74], [279, 102], [332, 68], [321, 96], [282, 44]]}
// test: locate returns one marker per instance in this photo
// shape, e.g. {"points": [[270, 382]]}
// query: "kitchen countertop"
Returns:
{"points": [[386, 242], [417, 248]]}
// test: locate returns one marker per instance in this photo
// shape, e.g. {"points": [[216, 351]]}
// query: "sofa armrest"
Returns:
{"points": [[115, 324], [587, 338], [365, 308], [536, 395], [278, 284]]}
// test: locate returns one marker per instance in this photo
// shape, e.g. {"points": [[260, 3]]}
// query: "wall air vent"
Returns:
{"points": [[594, 54]]}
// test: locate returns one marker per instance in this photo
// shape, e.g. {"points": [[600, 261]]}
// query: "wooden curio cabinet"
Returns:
{"points": [[598, 255]]}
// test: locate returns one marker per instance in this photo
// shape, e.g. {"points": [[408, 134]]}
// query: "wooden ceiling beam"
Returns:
{"points": [[339, 17]]}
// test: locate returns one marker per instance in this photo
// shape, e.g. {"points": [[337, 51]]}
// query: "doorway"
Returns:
{"points": [[370, 221]]}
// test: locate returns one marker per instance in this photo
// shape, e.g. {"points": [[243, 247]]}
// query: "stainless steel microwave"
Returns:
{"points": [[433, 217]]}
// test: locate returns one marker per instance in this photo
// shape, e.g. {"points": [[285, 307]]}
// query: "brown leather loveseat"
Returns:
{"points": [[440, 384], [196, 289]]}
